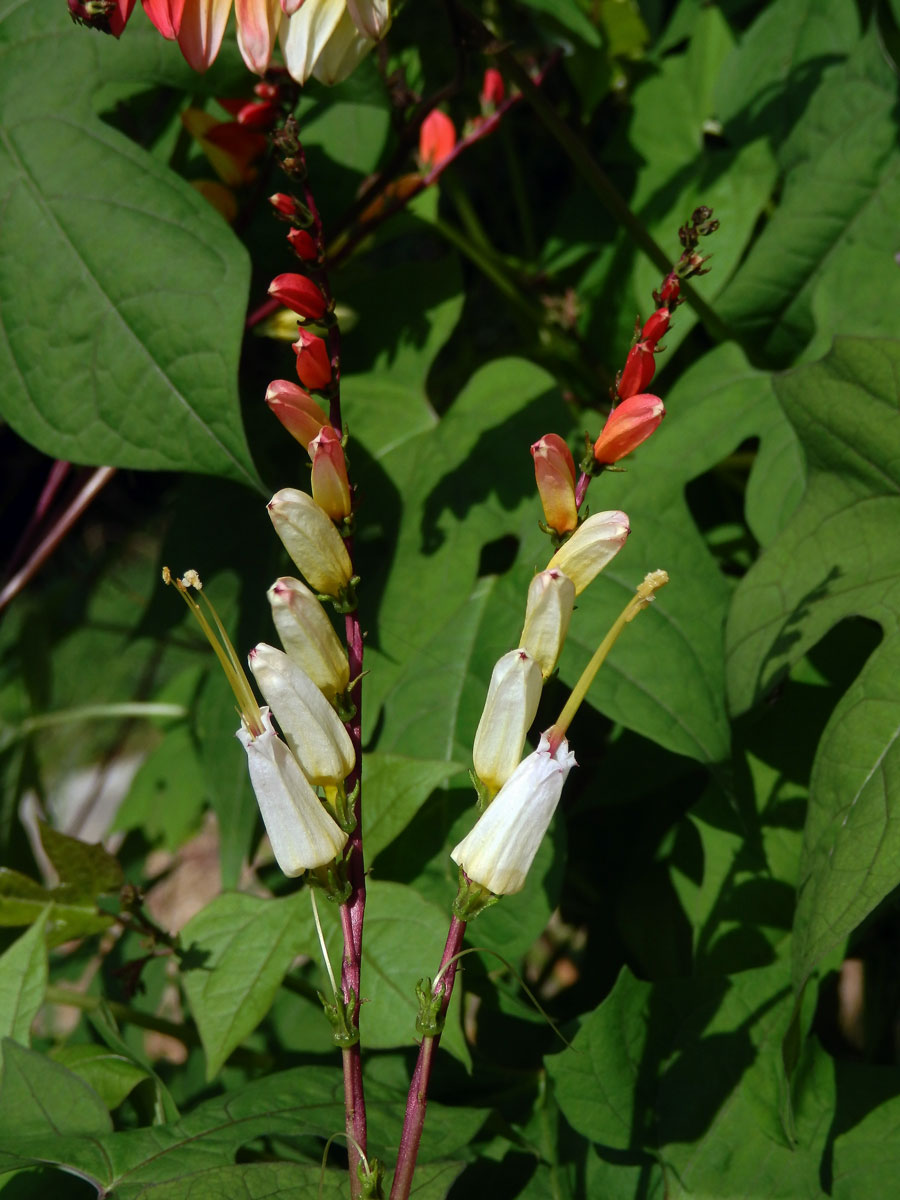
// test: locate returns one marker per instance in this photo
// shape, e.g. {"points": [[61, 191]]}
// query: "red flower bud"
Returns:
{"points": [[656, 326], [493, 90], [313, 363], [669, 292], [437, 137], [284, 204], [299, 294], [303, 244], [330, 486], [554, 473], [266, 91], [639, 368], [258, 116], [629, 424], [296, 410]]}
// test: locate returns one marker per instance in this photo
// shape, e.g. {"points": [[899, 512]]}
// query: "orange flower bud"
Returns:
{"points": [[296, 410], [639, 368], [299, 294], [554, 471], [437, 137], [313, 363], [330, 486], [629, 424]]}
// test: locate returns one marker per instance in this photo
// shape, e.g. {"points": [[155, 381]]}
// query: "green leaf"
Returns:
{"points": [[110, 1075], [237, 951], [22, 901], [395, 788], [166, 797], [23, 981], [39, 1098], [86, 869], [123, 292], [292, 1104], [791, 293], [252, 1181], [688, 1071]]}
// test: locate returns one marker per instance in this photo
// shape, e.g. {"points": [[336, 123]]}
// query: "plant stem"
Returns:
{"points": [[417, 1100]]}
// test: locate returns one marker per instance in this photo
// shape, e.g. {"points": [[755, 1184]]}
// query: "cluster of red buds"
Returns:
{"points": [[306, 293], [636, 412]]}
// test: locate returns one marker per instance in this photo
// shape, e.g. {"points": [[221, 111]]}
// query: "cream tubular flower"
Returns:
{"points": [[302, 834], [199, 26], [308, 636], [311, 540], [500, 849], [551, 598], [310, 725], [509, 711], [591, 547], [328, 38]]}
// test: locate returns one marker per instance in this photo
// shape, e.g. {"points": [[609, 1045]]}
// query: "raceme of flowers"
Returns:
{"points": [[322, 39]]}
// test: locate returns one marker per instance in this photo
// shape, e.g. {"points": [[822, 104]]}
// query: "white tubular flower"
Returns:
{"points": [[328, 38], [551, 598], [308, 636], [302, 834], [500, 849], [312, 728], [591, 547], [509, 710], [311, 540]]}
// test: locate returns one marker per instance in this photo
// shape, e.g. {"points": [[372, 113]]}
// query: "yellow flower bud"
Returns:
{"points": [[509, 711], [311, 540], [551, 598], [308, 636], [591, 547]]}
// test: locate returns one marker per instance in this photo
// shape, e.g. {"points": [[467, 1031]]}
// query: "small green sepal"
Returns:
{"points": [[429, 1022], [471, 899], [333, 881], [340, 1017], [371, 1179], [481, 791]]}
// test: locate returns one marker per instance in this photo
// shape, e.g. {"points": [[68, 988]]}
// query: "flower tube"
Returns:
{"points": [[554, 473], [299, 294], [629, 424], [308, 636], [330, 485], [310, 725], [509, 711], [591, 547], [302, 833], [551, 598], [312, 541], [313, 363], [500, 849], [297, 411]]}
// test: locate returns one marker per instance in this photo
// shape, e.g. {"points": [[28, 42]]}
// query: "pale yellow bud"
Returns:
{"points": [[312, 541], [308, 636], [551, 598], [591, 547], [509, 710]]}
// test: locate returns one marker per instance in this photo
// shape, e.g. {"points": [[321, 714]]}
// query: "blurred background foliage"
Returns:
{"points": [[714, 919]]}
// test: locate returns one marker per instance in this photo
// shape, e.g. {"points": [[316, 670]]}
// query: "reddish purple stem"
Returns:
{"points": [[417, 1100]]}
